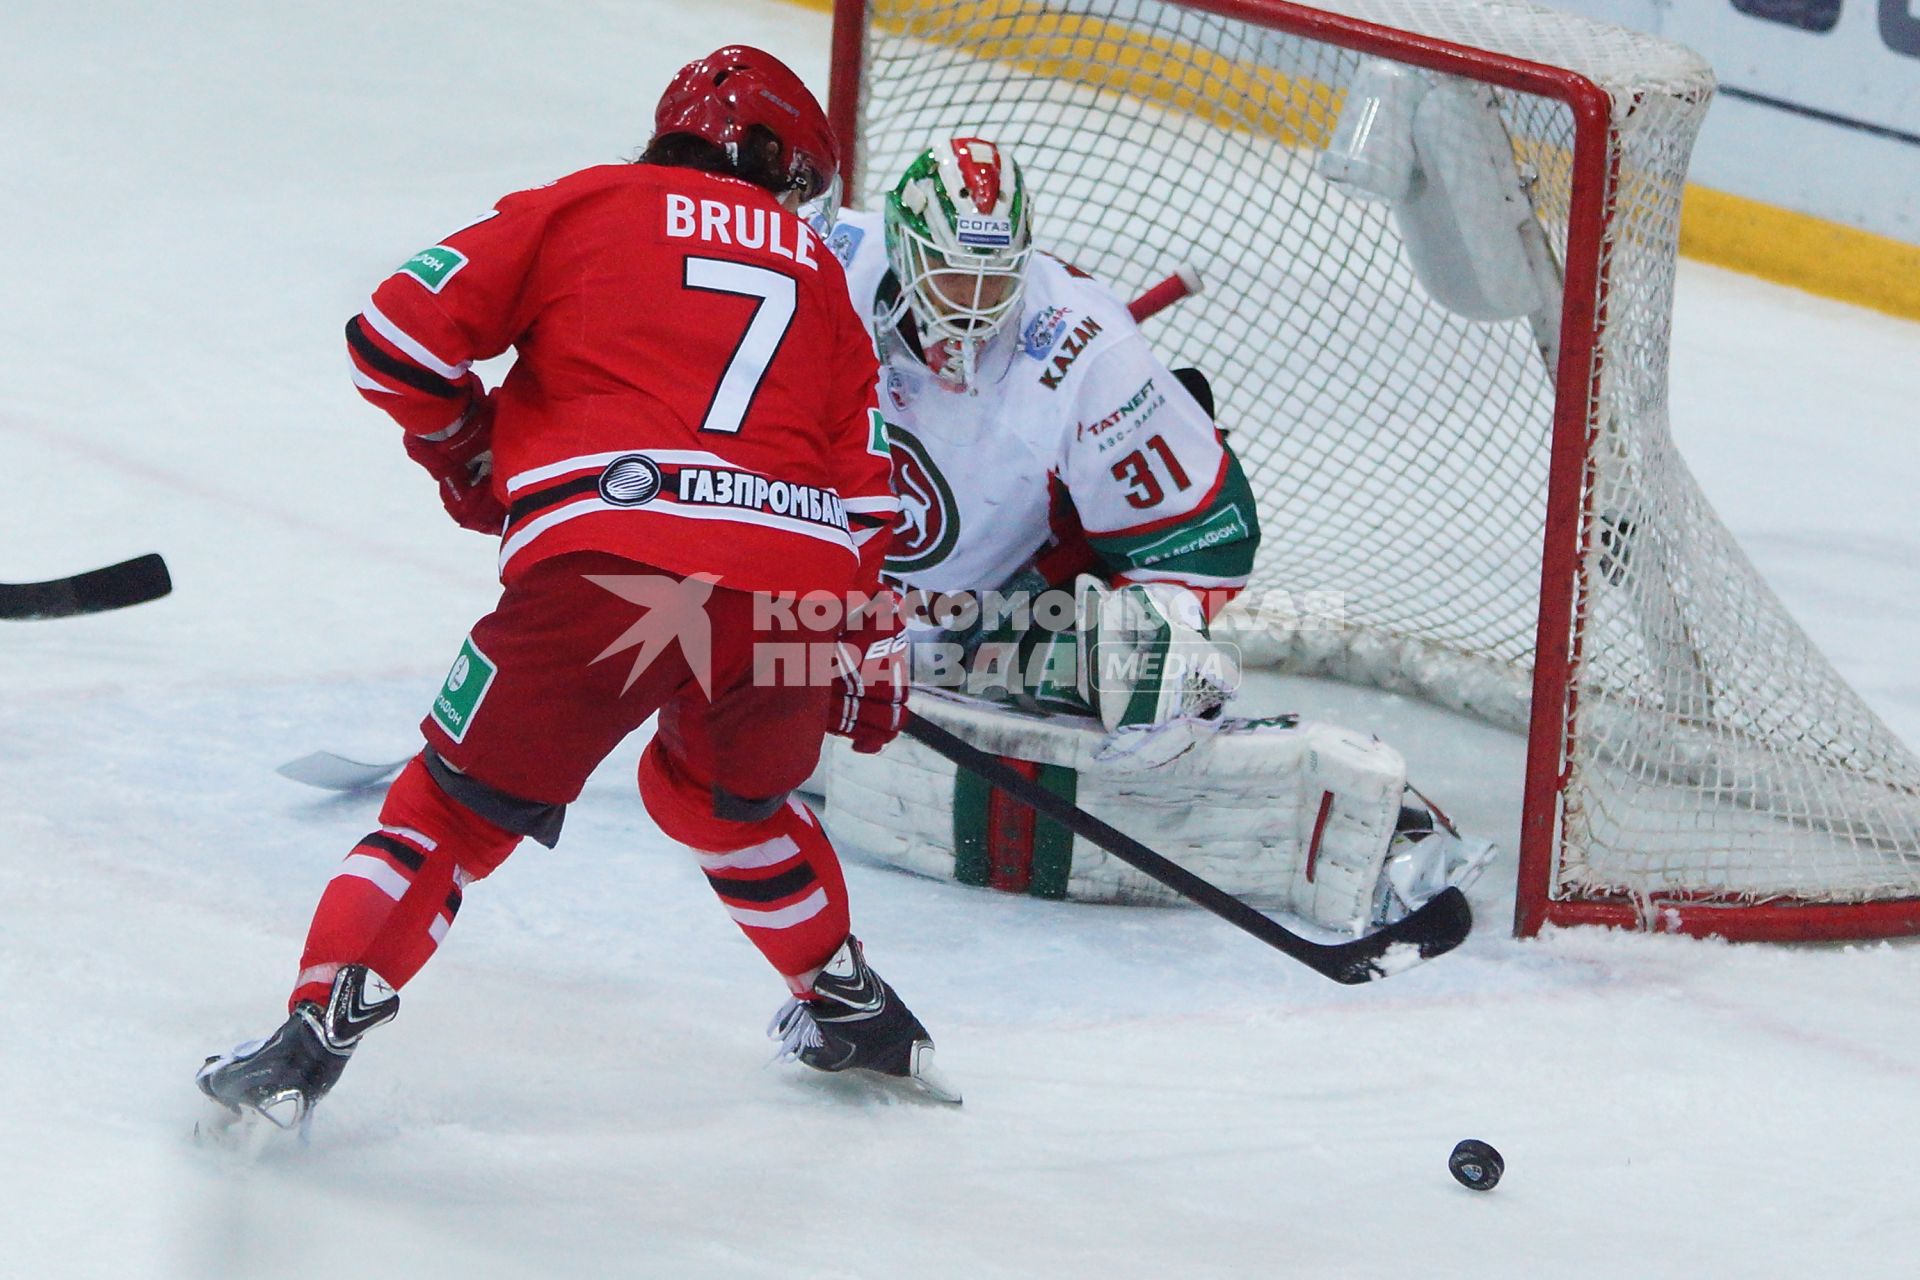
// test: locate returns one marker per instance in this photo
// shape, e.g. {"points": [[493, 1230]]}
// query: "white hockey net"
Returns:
{"points": [[1401, 452]]}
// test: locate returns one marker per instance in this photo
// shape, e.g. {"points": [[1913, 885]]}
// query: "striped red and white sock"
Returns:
{"points": [[392, 900]]}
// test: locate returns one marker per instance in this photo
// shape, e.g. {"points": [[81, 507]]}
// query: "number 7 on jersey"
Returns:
{"points": [[774, 304]]}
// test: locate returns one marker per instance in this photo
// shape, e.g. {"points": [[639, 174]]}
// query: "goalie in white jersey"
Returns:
{"points": [[1038, 442], [1045, 457]]}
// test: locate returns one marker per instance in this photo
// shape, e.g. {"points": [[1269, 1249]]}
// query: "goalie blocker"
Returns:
{"points": [[1287, 814]]}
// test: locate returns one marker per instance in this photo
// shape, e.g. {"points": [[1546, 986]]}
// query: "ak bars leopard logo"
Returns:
{"points": [[929, 518], [1069, 351]]}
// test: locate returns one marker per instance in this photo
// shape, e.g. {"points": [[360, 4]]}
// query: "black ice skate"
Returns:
{"points": [[278, 1080], [856, 1022]]}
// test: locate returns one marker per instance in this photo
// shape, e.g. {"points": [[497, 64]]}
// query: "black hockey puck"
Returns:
{"points": [[1475, 1165]]}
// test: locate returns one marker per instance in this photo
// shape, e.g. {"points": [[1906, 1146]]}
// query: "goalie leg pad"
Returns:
{"points": [[1285, 814], [1350, 789]]}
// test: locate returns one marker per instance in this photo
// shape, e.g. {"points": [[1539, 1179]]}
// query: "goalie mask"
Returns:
{"points": [[958, 240]]}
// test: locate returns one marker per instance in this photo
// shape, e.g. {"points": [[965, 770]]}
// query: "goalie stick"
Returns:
{"points": [[1434, 929], [117, 586]]}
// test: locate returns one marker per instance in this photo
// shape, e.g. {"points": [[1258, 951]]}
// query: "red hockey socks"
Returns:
{"points": [[779, 878], [395, 896]]}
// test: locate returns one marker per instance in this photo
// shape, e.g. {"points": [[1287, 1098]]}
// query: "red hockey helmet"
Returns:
{"points": [[723, 95]]}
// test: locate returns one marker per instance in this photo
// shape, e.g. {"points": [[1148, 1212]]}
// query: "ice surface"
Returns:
{"points": [[195, 202]]}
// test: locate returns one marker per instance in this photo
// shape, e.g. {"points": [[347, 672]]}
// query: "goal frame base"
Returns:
{"points": [[1779, 920]]}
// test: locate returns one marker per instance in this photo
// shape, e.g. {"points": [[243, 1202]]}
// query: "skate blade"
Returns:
{"points": [[923, 1090], [929, 1079], [245, 1134], [924, 1086], [245, 1137]]}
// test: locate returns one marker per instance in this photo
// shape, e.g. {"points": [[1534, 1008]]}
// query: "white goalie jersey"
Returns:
{"points": [[1072, 426]]}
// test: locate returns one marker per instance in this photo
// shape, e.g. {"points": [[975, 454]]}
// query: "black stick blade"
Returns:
{"points": [[1437, 927], [117, 586]]}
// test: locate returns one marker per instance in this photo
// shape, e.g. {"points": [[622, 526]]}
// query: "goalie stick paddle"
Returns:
{"points": [[117, 586], [1434, 929]]}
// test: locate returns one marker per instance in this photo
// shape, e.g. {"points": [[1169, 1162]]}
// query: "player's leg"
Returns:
{"points": [[718, 777], [524, 717], [393, 898], [526, 714], [777, 874]]}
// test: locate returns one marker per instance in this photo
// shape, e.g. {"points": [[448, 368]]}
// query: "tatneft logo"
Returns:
{"points": [[458, 676]]}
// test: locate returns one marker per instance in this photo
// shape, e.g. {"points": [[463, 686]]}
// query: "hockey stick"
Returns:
{"points": [[1183, 283], [1434, 929], [330, 772], [130, 582]]}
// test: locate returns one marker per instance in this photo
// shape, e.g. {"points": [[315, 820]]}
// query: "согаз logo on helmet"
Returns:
{"points": [[995, 233]]}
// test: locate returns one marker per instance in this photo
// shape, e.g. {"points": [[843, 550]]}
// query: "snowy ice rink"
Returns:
{"points": [[195, 200]]}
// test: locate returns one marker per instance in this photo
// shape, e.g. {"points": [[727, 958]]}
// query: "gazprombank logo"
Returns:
{"points": [[632, 481]]}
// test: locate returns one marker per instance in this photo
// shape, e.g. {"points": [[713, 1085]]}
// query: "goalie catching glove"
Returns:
{"points": [[1145, 656], [872, 674], [1133, 656]]}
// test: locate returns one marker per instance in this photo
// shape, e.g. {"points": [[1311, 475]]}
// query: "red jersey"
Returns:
{"points": [[692, 388]]}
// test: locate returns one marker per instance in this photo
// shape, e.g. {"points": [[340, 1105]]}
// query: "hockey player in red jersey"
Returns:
{"points": [[687, 427]]}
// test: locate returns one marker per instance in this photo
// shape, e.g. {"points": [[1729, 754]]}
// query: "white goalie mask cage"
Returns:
{"points": [[959, 234]]}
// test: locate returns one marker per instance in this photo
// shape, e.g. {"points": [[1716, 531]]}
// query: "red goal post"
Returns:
{"points": [[1693, 764]]}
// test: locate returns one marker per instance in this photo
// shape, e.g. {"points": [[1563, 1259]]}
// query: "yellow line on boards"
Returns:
{"points": [[1798, 249], [1717, 227]]}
